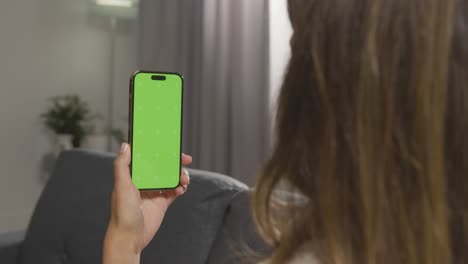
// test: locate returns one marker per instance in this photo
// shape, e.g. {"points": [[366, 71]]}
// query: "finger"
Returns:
{"points": [[121, 166], [186, 159], [172, 195], [184, 177], [180, 190]]}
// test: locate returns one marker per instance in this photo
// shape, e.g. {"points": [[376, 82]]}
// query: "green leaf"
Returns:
{"points": [[69, 114]]}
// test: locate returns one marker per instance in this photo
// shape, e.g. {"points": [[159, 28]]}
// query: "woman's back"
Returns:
{"points": [[372, 129], [372, 139]]}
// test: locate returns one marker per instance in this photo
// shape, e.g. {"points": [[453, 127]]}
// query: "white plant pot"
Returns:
{"points": [[63, 142], [96, 143]]}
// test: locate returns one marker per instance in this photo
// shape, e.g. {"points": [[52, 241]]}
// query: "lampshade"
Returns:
{"points": [[122, 9]]}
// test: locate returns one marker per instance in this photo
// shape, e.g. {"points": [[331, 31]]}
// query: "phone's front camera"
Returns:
{"points": [[158, 77]]}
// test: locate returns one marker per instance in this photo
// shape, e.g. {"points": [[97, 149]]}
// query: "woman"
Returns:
{"points": [[372, 131]]}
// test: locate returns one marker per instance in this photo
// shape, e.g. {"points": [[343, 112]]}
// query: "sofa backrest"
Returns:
{"points": [[71, 216]]}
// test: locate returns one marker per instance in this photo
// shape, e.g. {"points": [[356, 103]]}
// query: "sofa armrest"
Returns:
{"points": [[10, 244]]}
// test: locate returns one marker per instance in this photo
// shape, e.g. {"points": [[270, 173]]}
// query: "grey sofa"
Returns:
{"points": [[209, 224]]}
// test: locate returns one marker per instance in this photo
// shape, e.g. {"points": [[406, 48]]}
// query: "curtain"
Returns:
{"points": [[221, 49]]}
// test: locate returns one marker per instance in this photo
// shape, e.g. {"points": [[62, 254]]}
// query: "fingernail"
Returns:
{"points": [[185, 187], [187, 174], [123, 147]]}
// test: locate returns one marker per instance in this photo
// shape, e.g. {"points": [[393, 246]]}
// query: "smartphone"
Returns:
{"points": [[155, 129]]}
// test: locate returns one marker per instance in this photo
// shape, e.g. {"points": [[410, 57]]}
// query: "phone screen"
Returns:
{"points": [[156, 127]]}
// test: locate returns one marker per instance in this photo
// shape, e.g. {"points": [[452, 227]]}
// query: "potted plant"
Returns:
{"points": [[69, 117]]}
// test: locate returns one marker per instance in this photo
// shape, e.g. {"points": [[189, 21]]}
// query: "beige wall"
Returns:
{"points": [[49, 47]]}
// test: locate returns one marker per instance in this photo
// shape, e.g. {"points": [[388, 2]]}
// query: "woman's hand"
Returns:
{"points": [[136, 216]]}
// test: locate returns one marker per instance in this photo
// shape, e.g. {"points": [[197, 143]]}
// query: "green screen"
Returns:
{"points": [[156, 131]]}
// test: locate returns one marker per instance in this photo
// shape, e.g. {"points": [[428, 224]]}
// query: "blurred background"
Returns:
{"points": [[65, 67]]}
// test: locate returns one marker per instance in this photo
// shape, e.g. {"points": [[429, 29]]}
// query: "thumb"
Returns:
{"points": [[121, 165]]}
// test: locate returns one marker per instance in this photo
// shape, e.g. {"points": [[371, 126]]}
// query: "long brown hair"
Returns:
{"points": [[372, 135]]}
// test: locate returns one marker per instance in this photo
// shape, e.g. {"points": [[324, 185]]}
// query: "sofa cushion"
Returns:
{"points": [[71, 216], [238, 241], [190, 227]]}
